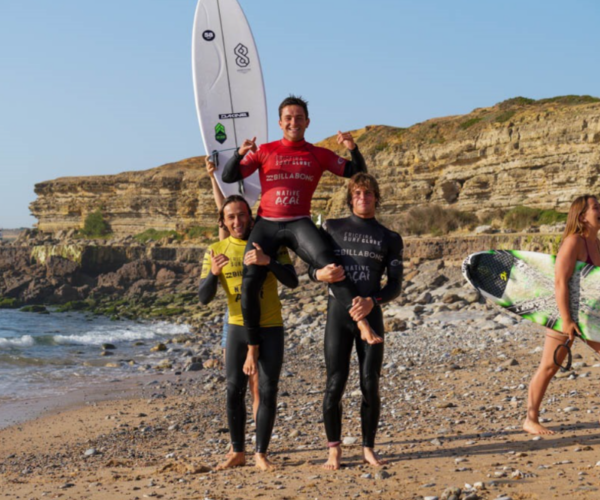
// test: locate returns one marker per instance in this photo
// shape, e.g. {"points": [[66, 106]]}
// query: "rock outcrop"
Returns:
{"points": [[174, 196], [519, 152]]}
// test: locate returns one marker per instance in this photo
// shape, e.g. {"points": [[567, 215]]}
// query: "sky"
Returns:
{"points": [[91, 88]]}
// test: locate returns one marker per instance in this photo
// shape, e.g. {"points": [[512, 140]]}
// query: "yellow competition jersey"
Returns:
{"points": [[231, 281]]}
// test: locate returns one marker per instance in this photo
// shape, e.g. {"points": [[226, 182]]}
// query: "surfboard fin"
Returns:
{"points": [[241, 188], [214, 157]]}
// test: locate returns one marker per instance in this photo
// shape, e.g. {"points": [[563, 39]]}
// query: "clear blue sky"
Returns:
{"points": [[91, 88]]}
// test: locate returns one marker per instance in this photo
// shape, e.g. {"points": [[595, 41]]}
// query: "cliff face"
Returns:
{"points": [[540, 154], [519, 152], [173, 196]]}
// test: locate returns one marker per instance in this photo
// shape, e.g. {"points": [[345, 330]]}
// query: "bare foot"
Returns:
{"points": [[535, 428], [367, 334], [335, 458], [230, 453], [372, 458], [236, 459], [263, 463]]}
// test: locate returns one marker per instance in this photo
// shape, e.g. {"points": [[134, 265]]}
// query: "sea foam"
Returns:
{"points": [[105, 335], [24, 341]]}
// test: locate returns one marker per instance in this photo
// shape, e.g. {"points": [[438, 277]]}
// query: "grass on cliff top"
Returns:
{"points": [[568, 100]]}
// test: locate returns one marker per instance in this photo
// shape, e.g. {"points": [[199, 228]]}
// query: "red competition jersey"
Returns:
{"points": [[289, 174]]}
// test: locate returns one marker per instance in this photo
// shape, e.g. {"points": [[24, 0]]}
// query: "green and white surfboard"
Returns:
{"points": [[523, 283]]}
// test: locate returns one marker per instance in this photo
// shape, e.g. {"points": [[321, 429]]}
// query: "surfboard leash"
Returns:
{"points": [[566, 346]]}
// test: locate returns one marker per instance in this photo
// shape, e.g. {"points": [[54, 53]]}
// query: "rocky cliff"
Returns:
{"points": [[173, 196], [519, 152]]}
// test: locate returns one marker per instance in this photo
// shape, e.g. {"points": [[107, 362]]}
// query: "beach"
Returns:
{"points": [[454, 393]]}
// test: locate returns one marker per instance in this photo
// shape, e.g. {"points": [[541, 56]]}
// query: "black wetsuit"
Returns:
{"points": [[293, 171], [270, 362], [269, 338], [367, 249]]}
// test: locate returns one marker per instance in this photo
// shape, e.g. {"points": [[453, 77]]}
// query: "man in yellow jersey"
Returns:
{"points": [[223, 262], [211, 169]]}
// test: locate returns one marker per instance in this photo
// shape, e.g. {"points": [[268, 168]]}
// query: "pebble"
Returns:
{"points": [[382, 475]]}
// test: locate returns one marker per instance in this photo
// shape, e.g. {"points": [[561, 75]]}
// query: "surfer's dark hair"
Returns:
{"points": [[365, 181], [578, 208], [232, 199], [293, 100]]}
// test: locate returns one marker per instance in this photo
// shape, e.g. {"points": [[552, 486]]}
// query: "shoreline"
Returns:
{"points": [[16, 412]]}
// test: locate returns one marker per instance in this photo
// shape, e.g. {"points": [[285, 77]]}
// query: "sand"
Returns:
{"points": [[455, 423]]}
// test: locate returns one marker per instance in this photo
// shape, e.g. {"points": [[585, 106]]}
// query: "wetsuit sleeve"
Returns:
{"points": [[340, 166], [283, 269], [208, 281], [356, 165], [239, 167], [394, 265], [208, 288]]}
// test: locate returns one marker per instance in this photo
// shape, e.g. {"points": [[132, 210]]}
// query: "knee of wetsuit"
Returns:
{"points": [[236, 393], [370, 388], [267, 392], [336, 385]]}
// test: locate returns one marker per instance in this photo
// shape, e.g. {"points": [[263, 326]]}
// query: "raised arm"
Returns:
{"points": [[233, 171], [217, 193], [357, 163]]}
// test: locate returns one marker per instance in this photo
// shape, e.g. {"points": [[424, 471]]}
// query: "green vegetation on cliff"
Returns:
{"points": [[156, 235], [9, 303], [521, 217], [436, 220], [95, 226], [191, 233]]}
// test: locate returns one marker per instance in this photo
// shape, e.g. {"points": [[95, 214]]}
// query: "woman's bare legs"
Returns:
{"points": [[540, 380]]}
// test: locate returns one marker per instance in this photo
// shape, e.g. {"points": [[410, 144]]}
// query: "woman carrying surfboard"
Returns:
{"points": [[289, 171], [579, 243]]}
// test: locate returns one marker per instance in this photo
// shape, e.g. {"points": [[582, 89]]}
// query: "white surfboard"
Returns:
{"points": [[228, 85]]}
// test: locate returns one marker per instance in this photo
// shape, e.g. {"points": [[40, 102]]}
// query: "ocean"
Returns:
{"points": [[42, 355]]}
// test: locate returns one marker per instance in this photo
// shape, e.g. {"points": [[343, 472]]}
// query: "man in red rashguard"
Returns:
{"points": [[289, 171]]}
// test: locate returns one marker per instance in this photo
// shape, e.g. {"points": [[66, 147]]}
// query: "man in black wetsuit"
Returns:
{"points": [[366, 249]]}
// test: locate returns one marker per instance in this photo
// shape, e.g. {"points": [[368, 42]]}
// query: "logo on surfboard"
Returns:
{"points": [[242, 59], [208, 35], [227, 116], [220, 135]]}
